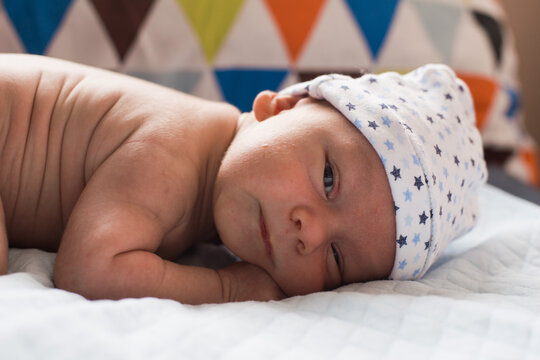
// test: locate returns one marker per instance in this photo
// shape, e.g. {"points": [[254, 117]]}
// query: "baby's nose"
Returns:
{"points": [[311, 229]]}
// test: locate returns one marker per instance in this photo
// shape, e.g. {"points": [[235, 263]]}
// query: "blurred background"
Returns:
{"points": [[524, 17], [230, 50]]}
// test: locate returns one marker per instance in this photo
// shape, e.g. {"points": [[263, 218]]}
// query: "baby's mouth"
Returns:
{"points": [[264, 234]]}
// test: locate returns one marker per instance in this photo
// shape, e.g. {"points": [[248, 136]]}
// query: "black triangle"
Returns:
{"points": [[122, 19], [494, 31]]}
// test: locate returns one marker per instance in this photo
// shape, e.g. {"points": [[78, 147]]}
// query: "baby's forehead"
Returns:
{"points": [[318, 107], [336, 119], [340, 133]]}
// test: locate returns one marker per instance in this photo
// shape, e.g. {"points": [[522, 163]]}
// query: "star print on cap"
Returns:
{"points": [[422, 125]]}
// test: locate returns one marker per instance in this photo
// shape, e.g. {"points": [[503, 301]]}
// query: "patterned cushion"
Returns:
{"points": [[232, 49]]}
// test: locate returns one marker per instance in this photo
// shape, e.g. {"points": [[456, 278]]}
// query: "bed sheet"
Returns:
{"points": [[481, 300]]}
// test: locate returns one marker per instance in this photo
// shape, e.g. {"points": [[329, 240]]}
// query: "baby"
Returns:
{"points": [[328, 182]]}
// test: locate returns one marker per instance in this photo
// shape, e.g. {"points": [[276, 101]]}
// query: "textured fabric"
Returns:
{"points": [[231, 50], [422, 125], [479, 302]]}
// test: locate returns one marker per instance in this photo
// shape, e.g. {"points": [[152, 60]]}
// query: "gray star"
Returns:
{"points": [[401, 241], [423, 218], [418, 182], [373, 124], [396, 172]]}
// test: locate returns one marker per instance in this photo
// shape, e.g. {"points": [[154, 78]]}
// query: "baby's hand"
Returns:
{"points": [[244, 281]]}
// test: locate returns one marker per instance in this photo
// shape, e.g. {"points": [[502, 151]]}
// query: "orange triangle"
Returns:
{"points": [[483, 92], [530, 159], [295, 20]]}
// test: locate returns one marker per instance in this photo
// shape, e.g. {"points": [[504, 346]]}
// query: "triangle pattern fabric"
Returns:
{"points": [[483, 90], [262, 48], [440, 22], [211, 26], [166, 42], [82, 38], [335, 44], [9, 41], [310, 75], [208, 87], [295, 29], [468, 37], [184, 81], [291, 79], [514, 103], [529, 157], [122, 29], [494, 32], [36, 21], [500, 133], [374, 18], [406, 50], [240, 86]]}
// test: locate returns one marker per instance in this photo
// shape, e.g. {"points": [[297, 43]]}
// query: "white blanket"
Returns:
{"points": [[481, 300]]}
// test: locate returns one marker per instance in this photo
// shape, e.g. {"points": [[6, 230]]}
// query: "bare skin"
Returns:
{"points": [[302, 194], [121, 176], [117, 175]]}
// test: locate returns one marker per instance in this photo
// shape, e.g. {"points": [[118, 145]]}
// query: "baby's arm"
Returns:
{"points": [[126, 209], [116, 268], [243, 281], [3, 242]]}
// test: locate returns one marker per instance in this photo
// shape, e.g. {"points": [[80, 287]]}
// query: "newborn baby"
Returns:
{"points": [[328, 182]]}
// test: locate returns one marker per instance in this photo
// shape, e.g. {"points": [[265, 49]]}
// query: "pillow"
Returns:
{"points": [[231, 50]]}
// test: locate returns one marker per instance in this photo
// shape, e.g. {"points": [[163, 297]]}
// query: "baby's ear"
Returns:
{"points": [[269, 103]]}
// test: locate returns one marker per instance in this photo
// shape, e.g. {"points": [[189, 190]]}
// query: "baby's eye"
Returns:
{"points": [[328, 178]]}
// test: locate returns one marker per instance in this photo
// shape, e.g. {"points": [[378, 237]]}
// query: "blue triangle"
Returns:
{"points": [[515, 103], [240, 86], [374, 18], [184, 81], [36, 21]]}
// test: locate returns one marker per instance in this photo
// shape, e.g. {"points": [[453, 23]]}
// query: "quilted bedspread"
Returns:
{"points": [[481, 300]]}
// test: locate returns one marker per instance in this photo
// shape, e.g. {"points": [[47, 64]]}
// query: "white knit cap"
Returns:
{"points": [[422, 125]]}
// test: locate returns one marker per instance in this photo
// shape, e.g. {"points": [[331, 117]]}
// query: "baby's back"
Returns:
{"points": [[48, 119], [58, 122]]}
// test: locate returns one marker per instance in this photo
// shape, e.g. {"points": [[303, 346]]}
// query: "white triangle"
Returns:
{"points": [[509, 67], [290, 79], [502, 134], [253, 40], [9, 40], [335, 42], [407, 45], [82, 38], [208, 87], [472, 50], [165, 41]]}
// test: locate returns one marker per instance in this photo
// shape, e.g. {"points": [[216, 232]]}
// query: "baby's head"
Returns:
{"points": [[340, 180]]}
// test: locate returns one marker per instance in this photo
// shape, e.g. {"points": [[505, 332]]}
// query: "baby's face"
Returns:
{"points": [[303, 195]]}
